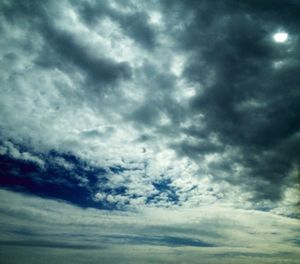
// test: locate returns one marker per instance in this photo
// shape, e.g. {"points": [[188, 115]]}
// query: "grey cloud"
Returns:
{"points": [[97, 133], [42, 227], [16, 11], [242, 100], [172, 114], [137, 27], [169, 241], [62, 49], [134, 24], [159, 101], [99, 70], [47, 244], [146, 114], [247, 102], [198, 148]]}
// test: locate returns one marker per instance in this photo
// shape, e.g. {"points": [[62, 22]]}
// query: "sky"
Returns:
{"points": [[149, 131]]}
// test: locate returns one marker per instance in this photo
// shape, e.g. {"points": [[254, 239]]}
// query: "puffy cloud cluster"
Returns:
{"points": [[177, 103]]}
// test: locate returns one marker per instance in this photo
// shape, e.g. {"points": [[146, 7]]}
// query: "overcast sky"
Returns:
{"points": [[150, 131]]}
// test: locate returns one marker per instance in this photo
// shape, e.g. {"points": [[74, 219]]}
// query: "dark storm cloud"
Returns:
{"points": [[137, 27], [146, 114], [285, 12], [246, 107], [159, 102], [247, 102], [136, 131], [134, 24], [62, 49], [17, 10], [99, 70], [193, 149]]}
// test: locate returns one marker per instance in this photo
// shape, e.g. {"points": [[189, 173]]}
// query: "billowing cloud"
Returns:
{"points": [[136, 106]]}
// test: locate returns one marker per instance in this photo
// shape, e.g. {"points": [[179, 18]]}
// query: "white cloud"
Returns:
{"points": [[53, 108], [8, 148], [236, 235]]}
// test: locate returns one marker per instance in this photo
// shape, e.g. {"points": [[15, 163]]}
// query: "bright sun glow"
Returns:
{"points": [[280, 37]]}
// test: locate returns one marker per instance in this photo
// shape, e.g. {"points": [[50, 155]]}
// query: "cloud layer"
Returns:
{"points": [[151, 105], [37, 228]]}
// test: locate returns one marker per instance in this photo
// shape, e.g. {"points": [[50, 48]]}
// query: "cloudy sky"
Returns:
{"points": [[149, 131]]}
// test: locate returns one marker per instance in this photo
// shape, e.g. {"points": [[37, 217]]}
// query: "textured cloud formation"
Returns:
{"points": [[39, 228], [140, 105], [248, 91], [178, 92]]}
